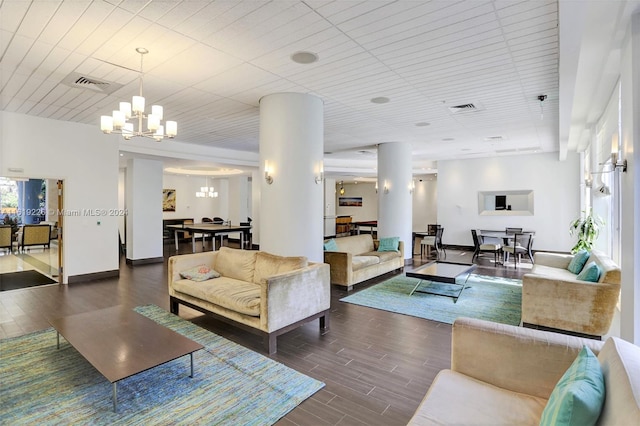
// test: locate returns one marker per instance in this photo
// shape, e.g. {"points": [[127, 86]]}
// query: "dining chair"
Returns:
{"points": [[521, 243], [481, 247], [248, 243], [434, 241], [432, 228], [206, 220], [5, 237]]}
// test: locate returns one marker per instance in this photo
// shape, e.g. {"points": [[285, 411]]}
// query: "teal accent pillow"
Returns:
{"points": [[199, 273], [389, 244], [331, 245], [579, 396], [578, 261], [591, 272]]}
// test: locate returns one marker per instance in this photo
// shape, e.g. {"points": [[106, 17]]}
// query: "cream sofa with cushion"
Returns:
{"points": [[357, 260], [503, 375], [552, 297], [257, 291]]}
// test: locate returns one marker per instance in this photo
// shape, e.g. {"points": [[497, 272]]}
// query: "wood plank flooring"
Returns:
{"points": [[377, 365]]}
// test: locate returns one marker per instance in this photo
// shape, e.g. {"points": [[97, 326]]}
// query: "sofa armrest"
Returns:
{"points": [[557, 260], [569, 304], [183, 262], [514, 358], [340, 264], [293, 296]]}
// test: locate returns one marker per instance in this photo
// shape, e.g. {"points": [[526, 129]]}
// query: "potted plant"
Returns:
{"points": [[587, 228]]}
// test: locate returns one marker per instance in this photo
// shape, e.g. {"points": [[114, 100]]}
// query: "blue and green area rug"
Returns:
{"points": [[232, 385], [490, 298]]}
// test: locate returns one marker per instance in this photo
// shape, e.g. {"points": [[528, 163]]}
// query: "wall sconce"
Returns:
{"points": [[412, 186], [376, 186], [588, 182], [616, 156], [320, 177], [385, 188], [341, 188], [267, 173]]}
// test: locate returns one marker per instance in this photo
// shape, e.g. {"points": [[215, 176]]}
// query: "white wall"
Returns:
{"points": [[369, 209], [425, 202], [555, 186], [190, 206], [87, 161]]}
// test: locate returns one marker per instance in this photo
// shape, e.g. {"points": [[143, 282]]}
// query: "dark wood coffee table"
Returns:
{"points": [[120, 342], [443, 272]]}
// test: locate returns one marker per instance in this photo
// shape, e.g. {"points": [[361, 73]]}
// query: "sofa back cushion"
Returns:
{"points": [[620, 362], [610, 272], [268, 265], [355, 244], [236, 263]]}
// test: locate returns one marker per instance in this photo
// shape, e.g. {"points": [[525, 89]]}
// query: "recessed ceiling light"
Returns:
{"points": [[422, 124], [121, 155], [380, 100], [448, 139], [304, 57]]}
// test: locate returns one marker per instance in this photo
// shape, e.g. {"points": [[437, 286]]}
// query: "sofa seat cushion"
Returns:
{"points": [[552, 272], [361, 262], [236, 263], [384, 256], [268, 265], [454, 398], [236, 295]]}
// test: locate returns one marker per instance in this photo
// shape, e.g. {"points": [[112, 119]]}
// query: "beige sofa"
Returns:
{"points": [[503, 375], [263, 293], [553, 298], [357, 260]]}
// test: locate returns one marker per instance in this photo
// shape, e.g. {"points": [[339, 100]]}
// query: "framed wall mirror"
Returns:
{"points": [[505, 203]]}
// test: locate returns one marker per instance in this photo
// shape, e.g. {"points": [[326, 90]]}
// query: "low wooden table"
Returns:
{"points": [[444, 272], [120, 342]]}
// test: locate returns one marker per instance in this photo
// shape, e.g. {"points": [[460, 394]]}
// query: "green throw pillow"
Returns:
{"points": [[578, 261], [389, 244], [579, 396], [199, 273], [331, 245], [591, 272]]}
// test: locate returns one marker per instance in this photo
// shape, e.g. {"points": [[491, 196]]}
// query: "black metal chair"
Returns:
{"points": [[206, 220], [248, 241], [434, 241]]}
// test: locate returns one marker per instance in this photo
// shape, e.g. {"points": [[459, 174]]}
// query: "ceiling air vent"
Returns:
{"points": [[470, 107], [494, 139], [84, 82]]}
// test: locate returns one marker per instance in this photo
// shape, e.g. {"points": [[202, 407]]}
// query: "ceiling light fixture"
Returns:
{"points": [[117, 123], [304, 57], [341, 187], [207, 191]]}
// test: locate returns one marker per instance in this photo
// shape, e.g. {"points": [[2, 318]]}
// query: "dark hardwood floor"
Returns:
{"points": [[377, 365]]}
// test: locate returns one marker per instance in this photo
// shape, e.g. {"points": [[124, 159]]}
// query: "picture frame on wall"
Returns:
{"points": [[350, 201], [168, 200]]}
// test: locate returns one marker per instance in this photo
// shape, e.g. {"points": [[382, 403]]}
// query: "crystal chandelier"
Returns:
{"points": [[118, 122]]}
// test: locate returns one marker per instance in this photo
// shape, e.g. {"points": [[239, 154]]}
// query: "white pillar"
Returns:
{"points": [[144, 211], [291, 150], [630, 180], [394, 196]]}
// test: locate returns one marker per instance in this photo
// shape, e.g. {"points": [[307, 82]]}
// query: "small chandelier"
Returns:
{"points": [[207, 191], [117, 123]]}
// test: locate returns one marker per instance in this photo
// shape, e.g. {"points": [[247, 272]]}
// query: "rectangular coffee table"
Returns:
{"points": [[443, 272], [120, 342]]}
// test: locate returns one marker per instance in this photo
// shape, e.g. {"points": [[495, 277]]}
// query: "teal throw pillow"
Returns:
{"points": [[578, 261], [331, 245], [389, 244], [199, 273], [579, 396], [591, 272]]}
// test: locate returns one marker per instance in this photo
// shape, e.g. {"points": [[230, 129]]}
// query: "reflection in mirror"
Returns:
{"points": [[505, 203]]}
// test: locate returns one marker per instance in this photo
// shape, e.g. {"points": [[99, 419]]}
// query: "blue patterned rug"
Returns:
{"points": [[490, 298], [42, 385]]}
